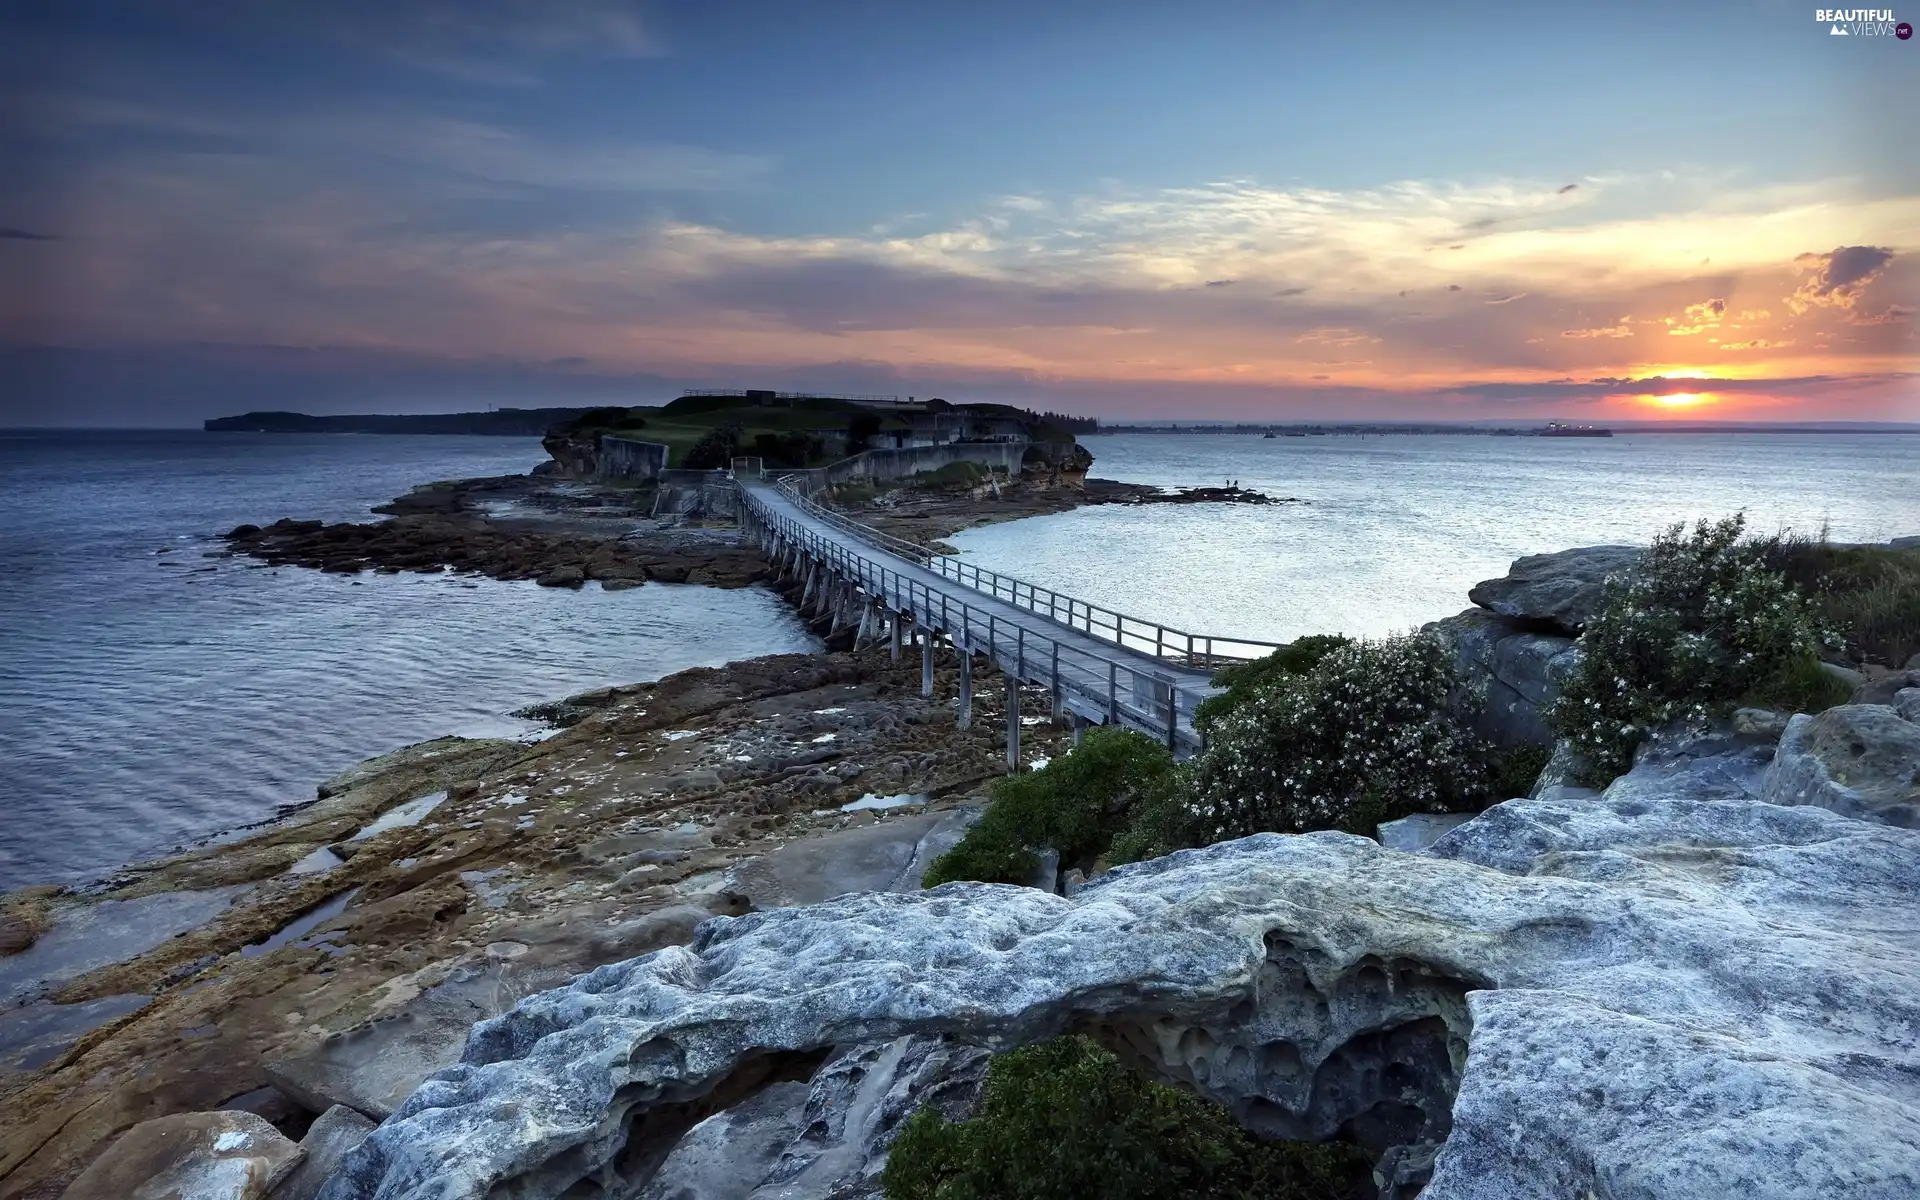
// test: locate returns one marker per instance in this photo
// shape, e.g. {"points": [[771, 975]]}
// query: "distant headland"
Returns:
{"points": [[499, 422]]}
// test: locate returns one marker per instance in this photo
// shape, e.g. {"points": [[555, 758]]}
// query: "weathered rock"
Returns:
{"points": [[727, 1155], [1859, 759], [1666, 994], [856, 1105], [887, 856], [1845, 676], [1760, 723], [1520, 670], [1559, 592], [1906, 702], [328, 1141], [1420, 830], [202, 1156], [566, 577]]}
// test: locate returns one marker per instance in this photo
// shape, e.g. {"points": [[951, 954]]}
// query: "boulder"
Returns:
{"points": [[1906, 702], [1515, 674], [1557, 592], [202, 1155], [1859, 759], [562, 577], [1420, 830], [1659, 993], [328, 1140]]}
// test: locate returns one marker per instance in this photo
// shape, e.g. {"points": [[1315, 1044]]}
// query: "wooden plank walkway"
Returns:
{"points": [[1099, 666]]}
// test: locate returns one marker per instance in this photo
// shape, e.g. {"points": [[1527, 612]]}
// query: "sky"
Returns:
{"points": [[1213, 210]]}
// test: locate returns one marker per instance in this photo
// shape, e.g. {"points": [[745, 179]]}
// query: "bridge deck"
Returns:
{"points": [[1088, 674]]}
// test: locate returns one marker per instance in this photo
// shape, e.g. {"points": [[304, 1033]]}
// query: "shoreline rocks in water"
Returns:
{"points": [[349, 951], [557, 533]]}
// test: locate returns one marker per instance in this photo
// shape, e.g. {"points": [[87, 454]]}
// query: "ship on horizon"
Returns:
{"points": [[1563, 429]]}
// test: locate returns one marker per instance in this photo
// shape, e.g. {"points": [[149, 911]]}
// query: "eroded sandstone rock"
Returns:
{"points": [[205, 1155], [1631, 996]]}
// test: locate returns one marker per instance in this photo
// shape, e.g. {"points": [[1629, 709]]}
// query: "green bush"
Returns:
{"points": [[715, 450], [1868, 595], [1365, 735], [1699, 624], [1063, 1120], [1513, 772], [960, 474], [1243, 679], [1075, 804]]}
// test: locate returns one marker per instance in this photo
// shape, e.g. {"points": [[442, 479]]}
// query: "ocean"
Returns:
{"points": [[1394, 529], [147, 699], [143, 706]]}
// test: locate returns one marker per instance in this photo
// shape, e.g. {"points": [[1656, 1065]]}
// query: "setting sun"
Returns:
{"points": [[1682, 399]]}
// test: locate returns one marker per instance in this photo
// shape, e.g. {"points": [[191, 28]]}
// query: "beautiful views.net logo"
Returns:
{"points": [[1862, 22]]}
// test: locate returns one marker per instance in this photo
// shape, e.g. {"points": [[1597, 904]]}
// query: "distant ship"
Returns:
{"points": [[1562, 429], [1268, 433]]}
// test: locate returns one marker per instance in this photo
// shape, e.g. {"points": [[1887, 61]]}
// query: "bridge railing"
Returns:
{"points": [[1163, 642], [1102, 687]]}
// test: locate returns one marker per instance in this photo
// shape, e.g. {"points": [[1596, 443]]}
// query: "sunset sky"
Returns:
{"points": [[1201, 210]]}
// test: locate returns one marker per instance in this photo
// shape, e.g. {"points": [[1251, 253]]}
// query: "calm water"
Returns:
{"points": [[1396, 529], [143, 705]]}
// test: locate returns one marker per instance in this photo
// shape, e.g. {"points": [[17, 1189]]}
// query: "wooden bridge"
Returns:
{"points": [[1100, 666]]}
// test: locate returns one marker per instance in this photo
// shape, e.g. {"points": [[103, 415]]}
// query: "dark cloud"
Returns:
{"points": [[1292, 291], [10, 234], [1569, 188], [1454, 287], [1837, 278], [1221, 282]]}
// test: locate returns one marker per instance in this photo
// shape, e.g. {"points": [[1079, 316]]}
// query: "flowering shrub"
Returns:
{"points": [[1700, 622], [1364, 735]]}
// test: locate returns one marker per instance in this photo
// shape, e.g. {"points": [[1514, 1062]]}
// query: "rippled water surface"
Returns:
{"points": [[1396, 529], [143, 705]]}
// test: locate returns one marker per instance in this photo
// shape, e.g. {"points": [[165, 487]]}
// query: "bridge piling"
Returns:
{"points": [[1013, 725], [926, 661], [893, 635], [966, 687]]}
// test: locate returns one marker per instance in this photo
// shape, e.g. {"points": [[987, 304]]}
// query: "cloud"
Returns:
{"points": [[1453, 287], [1508, 299], [1892, 314], [1570, 187], [1610, 331], [1836, 279], [1757, 344], [10, 234], [1705, 315], [502, 43], [1220, 283]]}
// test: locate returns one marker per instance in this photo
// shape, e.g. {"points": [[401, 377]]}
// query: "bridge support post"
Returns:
{"points": [[806, 594], [926, 660], [860, 634], [893, 635], [966, 688], [1013, 724], [1079, 727]]}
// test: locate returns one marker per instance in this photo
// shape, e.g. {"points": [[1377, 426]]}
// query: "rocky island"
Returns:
{"points": [[679, 947]]}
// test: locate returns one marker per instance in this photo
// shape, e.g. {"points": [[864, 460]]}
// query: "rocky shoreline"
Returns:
{"points": [[339, 954], [1627, 992], [563, 532]]}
